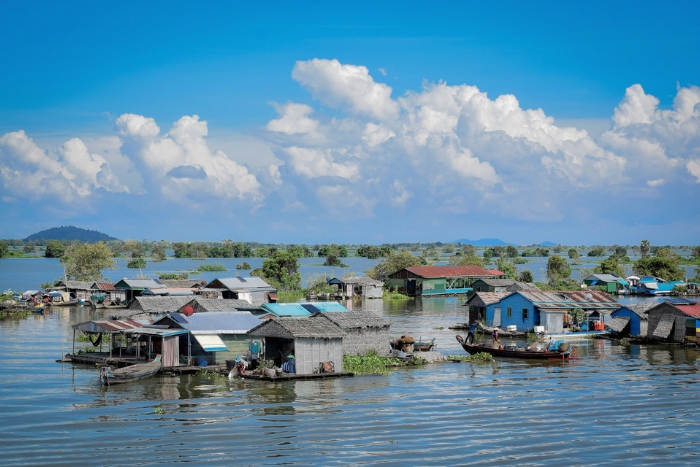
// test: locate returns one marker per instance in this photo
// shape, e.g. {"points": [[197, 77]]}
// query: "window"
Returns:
{"points": [[524, 314], [509, 312]]}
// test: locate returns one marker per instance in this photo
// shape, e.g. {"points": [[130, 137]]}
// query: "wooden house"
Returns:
{"points": [[437, 280], [631, 320], [76, 289], [366, 332], [157, 306], [364, 287], [528, 308], [204, 305], [107, 289], [134, 287], [478, 302], [674, 320], [130, 342], [252, 289], [609, 283], [312, 340], [214, 337]]}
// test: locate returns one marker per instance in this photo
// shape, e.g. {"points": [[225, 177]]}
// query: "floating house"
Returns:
{"points": [[674, 320], [302, 309], [214, 337], [438, 280], [478, 302], [105, 291], [609, 283], [312, 340], [252, 289], [526, 309], [365, 332], [649, 285], [362, 286], [204, 305], [631, 320], [78, 289], [134, 287], [156, 306], [194, 284], [501, 285], [129, 342]]}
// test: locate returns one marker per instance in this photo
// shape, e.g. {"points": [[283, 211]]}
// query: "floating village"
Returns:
{"points": [[236, 326]]}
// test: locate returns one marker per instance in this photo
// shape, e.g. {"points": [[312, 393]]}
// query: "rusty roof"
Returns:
{"points": [[569, 299], [488, 297], [105, 286], [692, 310], [448, 271]]}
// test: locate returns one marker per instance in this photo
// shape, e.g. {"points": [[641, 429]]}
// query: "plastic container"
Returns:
{"points": [[202, 361], [512, 328], [539, 329]]}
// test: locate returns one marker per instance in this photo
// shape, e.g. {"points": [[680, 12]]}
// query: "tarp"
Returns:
{"points": [[211, 343]]}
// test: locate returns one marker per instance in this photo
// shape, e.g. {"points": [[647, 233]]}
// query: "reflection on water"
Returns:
{"points": [[617, 404]]}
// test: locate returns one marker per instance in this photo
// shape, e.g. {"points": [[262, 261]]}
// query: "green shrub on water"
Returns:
{"points": [[211, 267], [369, 364], [477, 357], [394, 296]]}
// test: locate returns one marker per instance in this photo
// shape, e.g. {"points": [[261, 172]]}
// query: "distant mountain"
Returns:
{"points": [[483, 242], [548, 244], [70, 233]]}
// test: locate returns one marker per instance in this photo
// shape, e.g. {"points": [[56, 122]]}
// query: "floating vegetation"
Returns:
{"points": [[211, 267], [439, 328], [395, 296], [478, 357], [625, 341], [371, 364]]}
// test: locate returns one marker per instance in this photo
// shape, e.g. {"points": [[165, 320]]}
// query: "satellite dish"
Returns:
{"points": [[588, 296]]}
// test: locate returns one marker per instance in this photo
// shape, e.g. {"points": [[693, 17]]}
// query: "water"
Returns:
{"points": [[635, 405]]}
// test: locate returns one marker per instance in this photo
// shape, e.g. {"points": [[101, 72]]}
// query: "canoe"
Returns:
{"points": [[526, 354], [130, 373], [423, 346]]}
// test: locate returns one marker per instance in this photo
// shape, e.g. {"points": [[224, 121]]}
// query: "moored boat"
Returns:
{"points": [[515, 353], [130, 373]]}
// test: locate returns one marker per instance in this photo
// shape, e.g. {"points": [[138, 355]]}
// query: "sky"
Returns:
{"points": [[363, 122]]}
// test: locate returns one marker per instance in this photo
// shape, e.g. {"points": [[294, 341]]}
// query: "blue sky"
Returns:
{"points": [[312, 122]]}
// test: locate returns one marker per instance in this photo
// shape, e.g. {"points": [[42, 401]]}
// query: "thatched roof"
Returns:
{"points": [[291, 328], [357, 319], [617, 324], [77, 285], [158, 305], [213, 304]]}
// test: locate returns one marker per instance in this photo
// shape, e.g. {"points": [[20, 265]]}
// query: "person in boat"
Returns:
{"points": [[471, 338], [495, 339]]}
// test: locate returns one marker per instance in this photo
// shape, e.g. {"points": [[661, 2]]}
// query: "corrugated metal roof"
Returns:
{"points": [[497, 282], [223, 322], [105, 286], [361, 280], [159, 304], [126, 326], [496, 272], [238, 282], [606, 278], [569, 299], [330, 307], [286, 309], [357, 319], [139, 284], [215, 304], [692, 310], [182, 283], [488, 297], [448, 271]]}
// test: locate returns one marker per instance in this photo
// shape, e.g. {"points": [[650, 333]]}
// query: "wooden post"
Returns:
{"points": [[73, 341]]}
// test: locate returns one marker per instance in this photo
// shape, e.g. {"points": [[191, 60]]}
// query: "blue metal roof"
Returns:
{"points": [[303, 309], [219, 322]]}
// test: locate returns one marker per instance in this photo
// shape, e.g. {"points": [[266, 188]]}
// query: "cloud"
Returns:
{"points": [[70, 173], [335, 84], [181, 165], [694, 169]]}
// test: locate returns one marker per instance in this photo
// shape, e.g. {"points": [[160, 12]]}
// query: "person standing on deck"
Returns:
{"points": [[495, 339], [471, 338]]}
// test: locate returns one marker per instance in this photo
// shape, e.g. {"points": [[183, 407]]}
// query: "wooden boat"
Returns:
{"points": [[130, 373], [423, 346], [488, 330], [527, 354]]}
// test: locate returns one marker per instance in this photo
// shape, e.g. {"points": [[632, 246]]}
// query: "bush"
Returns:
{"points": [[244, 266], [136, 263], [173, 276], [211, 267]]}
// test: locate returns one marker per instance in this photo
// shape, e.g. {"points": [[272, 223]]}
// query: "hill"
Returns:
{"points": [[483, 242], [70, 233], [548, 244]]}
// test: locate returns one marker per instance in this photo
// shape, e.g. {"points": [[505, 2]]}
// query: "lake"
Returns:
{"points": [[634, 405]]}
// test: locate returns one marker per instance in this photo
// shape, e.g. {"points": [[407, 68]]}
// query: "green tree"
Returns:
{"points": [[540, 251], [158, 252], [573, 254], [136, 263], [54, 249], [333, 260], [464, 260], [597, 251], [4, 249], [468, 250], [526, 276], [134, 248], [695, 253], [282, 269], [558, 270], [665, 264], [333, 249], [609, 266], [244, 266], [488, 254], [511, 252], [645, 248], [506, 266], [394, 261], [85, 262]]}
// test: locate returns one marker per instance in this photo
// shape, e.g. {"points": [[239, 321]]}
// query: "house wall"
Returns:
{"points": [[372, 291], [433, 286], [359, 341], [553, 321], [258, 298], [517, 302], [309, 352]]}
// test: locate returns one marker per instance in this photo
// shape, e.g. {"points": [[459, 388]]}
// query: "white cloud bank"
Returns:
{"points": [[436, 152]]}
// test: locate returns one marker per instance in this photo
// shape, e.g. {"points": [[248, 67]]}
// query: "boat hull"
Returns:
{"points": [[522, 354]]}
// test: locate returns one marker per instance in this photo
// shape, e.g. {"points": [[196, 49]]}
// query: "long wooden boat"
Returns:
{"points": [[424, 346], [527, 354], [130, 373]]}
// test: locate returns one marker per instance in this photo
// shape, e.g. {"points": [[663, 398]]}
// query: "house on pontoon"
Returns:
{"points": [[674, 320], [357, 286], [438, 280]]}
